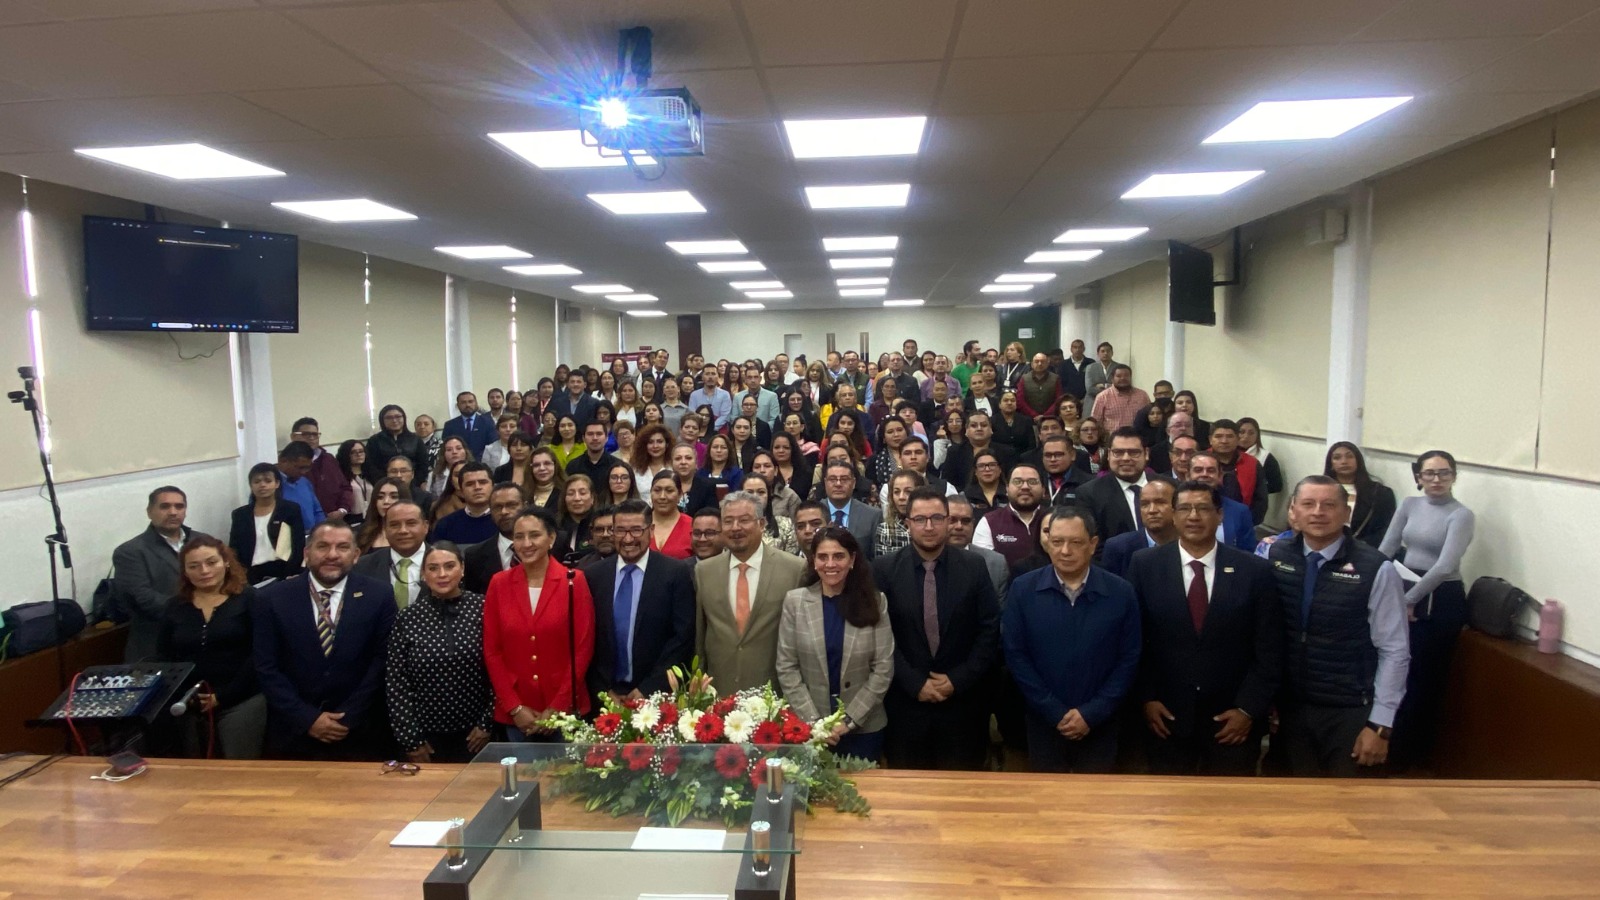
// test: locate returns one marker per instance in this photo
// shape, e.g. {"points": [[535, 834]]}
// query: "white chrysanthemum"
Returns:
{"points": [[686, 722], [738, 726], [646, 717], [756, 707]]}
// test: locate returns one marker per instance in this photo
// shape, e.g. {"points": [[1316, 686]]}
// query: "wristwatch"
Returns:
{"points": [[849, 723], [1383, 731]]}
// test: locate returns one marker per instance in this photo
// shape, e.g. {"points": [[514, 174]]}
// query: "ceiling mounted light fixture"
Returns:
{"points": [[708, 248], [1191, 184], [863, 292], [770, 295], [545, 269], [835, 138], [182, 162], [754, 285], [862, 262], [647, 203], [361, 210], [902, 303], [646, 313], [1005, 288], [561, 150], [1025, 278], [602, 289], [858, 196], [1062, 256], [632, 298], [1014, 304], [1098, 235], [738, 307], [734, 265], [488, 251], [858, 244], [873, 281], [1303, 120]]}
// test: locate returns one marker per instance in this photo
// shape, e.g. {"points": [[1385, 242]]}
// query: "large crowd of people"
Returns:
{"points": [[951, 547]]}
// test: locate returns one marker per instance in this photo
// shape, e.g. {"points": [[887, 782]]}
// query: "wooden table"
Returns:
{"points": [[283, 831]]}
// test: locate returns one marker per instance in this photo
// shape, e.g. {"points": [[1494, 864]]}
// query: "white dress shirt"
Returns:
{"points": [[508, 556], [413, 582], [1127, 495], [753, 576], [1187, 571]]}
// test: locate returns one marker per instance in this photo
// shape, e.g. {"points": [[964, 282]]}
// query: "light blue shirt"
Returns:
{"points": [[720, 401], [1391, 635], [838, 509], [299, 490]]}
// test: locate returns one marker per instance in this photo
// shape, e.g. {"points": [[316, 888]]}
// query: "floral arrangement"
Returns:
{"points": [[631, 759]]}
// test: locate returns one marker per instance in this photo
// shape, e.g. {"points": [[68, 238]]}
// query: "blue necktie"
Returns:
{"points": [[622, 613], [1314, 563]]}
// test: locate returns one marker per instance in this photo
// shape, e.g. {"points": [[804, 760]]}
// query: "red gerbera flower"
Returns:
{"points": [[633, 703], [767, 734], [725, 705], [600, 754], [670, 758], [730, 761], [796, 731], [637, 755], [669, 718], [607, 723], [758, 777], [708, 728]]}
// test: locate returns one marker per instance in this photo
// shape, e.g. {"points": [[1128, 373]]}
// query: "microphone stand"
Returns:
{"points": [[58, 539], [572, 639]]}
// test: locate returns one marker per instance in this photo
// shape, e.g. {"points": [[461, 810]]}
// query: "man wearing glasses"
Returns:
{"points": [[1013, 529], [740, 598], [1114, 500], [1213, 644], [332, 488], [643, 610], [861, 520], [946, 620]]}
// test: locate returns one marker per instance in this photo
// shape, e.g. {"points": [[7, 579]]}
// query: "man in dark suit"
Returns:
{"points": [[643, 610], [1113, 499], [1238, 529], [146, 569], [472, 425], [861, 520], [574, 401], [320, 639], [398, 565], [1213, 644], [486, 559], [657, 372], [1071, 371], [1156, 526], [946, 621]]}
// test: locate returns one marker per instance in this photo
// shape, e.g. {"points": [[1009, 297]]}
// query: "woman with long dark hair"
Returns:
{"points": [[952, 458], [893, 532], [441, 707], [892, 435], [850, 425], [779, 533], [393, 439], [519, 450], [352, 458], [1250, 442], [386, 493], [616, 485], [1186, 402], [722, 467], [794, 469], [547, 482], [1372, 503], [1091, 440], [452, 452], [987, 489], [835, 645], [652, 449], [784, 500], [669, 525], [574, 519], [566, 444]]}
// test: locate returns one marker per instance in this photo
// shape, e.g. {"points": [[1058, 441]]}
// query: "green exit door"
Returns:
{"points": [[1037, 327]]}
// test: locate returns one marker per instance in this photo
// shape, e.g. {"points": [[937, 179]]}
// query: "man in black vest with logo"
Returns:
{"points": [[1346, 648]]}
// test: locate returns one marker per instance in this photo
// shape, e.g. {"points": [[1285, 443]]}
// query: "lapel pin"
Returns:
{"points": [[1228, 569], [358, 593]]}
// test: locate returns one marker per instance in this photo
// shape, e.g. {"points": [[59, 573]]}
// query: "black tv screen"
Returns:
{"points": [[1189, 285], [159, 276]]}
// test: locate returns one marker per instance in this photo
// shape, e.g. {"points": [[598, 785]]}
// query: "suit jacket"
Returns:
{"points": [[300, 682], [1072, 376], [864, 522], [663, 625], [481, 434], [1238, 528], [866, 665], [969, 622], [1116, 553], [1096, 378], [735, 660], [1236, 659], [582, 411], [1106, 499], [526, 650], [702, 495], [242, 538], [483, 562], [333, 490], [145, 574], [999, 569]]}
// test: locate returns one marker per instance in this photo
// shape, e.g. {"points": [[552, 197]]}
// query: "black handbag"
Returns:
{"points": [[31, 627], [1494, 604]]}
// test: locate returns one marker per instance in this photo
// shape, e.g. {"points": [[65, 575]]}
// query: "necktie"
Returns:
{"points": [[402, 579], [1313, 563], [838, 517], [324, 621], [741, 598], [1133, 490], [1197, 595], [930, 607], [511, 558], [622, 613]]}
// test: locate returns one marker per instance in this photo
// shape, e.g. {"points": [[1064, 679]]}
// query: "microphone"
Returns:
{"points": [[182, 706]]}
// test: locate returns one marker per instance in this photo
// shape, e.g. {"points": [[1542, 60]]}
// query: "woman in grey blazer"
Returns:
{"points": [[835, 645]]}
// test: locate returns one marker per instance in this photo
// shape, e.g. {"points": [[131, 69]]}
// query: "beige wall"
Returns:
{"points": [[742, 335], [322, 371], [1133, 316]]}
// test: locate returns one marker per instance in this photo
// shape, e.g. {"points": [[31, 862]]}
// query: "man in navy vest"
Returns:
{"points": [[1347, 649]]}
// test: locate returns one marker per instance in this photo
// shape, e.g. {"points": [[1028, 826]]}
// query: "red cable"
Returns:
{"points": [[66, 714], [211, 720]]}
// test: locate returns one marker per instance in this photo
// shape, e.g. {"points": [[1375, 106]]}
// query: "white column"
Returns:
{"points": [[1080, 322], [259, 439], [1347, 328], [457, 338], [1172, 359]]}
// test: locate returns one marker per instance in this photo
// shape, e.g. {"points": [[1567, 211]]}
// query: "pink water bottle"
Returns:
{"points": [[1550, 616]]}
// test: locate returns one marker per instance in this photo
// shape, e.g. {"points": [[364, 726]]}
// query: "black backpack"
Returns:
{"points": [[1494, 605], [31, 627]]}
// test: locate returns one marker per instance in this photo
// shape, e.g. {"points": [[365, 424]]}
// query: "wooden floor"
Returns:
{"points": [[283, 831]]}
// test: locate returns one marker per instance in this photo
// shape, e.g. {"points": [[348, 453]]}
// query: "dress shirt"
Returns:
{"points": [[335, 600], [633, 618], [843, 523], [1113, 408], [1391, 635], [508, 556], [413, 583], [753, 576], [720, 401], [1127, 495], [950, 382], [299, 490], [1187, 571]]}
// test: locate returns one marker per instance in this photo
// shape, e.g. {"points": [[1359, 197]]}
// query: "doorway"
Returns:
{"points": [[791, 346], [1037, 327]]}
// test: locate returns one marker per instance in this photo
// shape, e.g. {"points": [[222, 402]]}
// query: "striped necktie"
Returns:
{"points": [[324, 621]]}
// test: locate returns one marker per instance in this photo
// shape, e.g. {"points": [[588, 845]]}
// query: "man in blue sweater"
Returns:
{"points": [[294, 465], [1071, 637]]}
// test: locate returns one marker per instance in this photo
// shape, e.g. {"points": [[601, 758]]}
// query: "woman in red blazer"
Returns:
{"points": [[525, 636]]}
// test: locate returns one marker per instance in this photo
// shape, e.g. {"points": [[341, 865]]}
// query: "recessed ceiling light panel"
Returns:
{"points": [[873, 281], [1025, 278], [755, 285], [1191, 184], [647, 203], [734, 265], [345, 210], [1005, 288], [770, 295], [489, 251], [736, 307], [543, 270], [862, 262], [1098, 235], [858, 244], [632, 298], [602, 289], [1014, 304], [1303, 120], [832, 138], [184, 162], [646, 313], [1062, 256], [863, 292], [707, 248], [561, 150], [902, 303], [858, 196]]}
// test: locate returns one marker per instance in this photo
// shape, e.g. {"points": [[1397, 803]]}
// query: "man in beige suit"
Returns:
{"points": [[739, 599]]}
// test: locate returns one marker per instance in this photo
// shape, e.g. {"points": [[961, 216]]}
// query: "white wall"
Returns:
{"points": [[742, 335]]}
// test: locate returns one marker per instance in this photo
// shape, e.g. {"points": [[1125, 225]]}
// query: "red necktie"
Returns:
{"points": [[1197, 596]]}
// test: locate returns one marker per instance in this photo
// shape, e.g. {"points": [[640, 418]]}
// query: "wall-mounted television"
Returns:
{"points": [[1190, 285], [161, 276]]}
